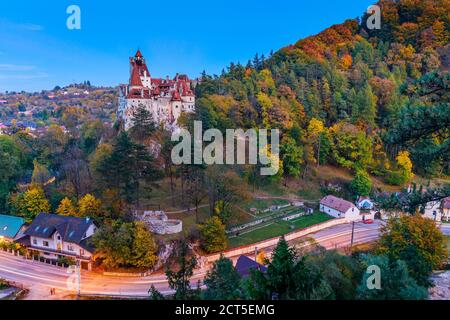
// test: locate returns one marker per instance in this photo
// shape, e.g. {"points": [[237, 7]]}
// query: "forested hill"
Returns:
{"points": [[369, 100]]}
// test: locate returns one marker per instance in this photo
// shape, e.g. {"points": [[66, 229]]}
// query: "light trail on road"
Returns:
{"points": [[35, 274]]}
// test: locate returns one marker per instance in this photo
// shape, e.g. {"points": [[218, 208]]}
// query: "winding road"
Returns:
{"points": [[39, 277]]}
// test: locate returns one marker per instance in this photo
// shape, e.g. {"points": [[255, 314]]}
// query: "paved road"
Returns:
{"points": [[445, 228], [41, 277]]}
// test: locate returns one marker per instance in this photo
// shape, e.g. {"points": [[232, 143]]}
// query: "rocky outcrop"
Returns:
{"points": [[441, 289]]}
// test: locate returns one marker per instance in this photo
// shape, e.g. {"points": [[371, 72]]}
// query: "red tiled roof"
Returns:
{"points": [[336, 203], [176, 96], [138, 54], [135, 77]]}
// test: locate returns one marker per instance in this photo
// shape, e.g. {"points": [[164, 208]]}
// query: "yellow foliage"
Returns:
{"points": [[315, 127], [404, 161], [346, 61], [66, 208]]}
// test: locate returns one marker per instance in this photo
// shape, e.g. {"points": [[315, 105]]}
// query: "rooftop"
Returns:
{"points": [[336, 203], [10, 226], [71, 229], [245, 264]]}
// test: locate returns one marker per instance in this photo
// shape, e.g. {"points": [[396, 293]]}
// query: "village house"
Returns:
{"points": [[438, 210], [11, 228], [54, 237], [339, 208], [366, 207]]}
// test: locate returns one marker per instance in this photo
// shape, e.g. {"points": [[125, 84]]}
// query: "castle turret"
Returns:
{"points": [[164, 98]]}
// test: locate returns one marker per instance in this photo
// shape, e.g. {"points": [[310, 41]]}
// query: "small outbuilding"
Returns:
{"points": [[11, 227], [339, 208], [244, 265]]}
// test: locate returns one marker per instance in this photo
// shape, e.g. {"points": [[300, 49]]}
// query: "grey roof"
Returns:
{"points": [[71, 229], [446, 203], [245, 264], [336, 203]]}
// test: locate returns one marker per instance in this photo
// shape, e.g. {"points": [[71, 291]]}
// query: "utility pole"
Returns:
{"points": [[79, 278], [318, 151], [353, 232]]}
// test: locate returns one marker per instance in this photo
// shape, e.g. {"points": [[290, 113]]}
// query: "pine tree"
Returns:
{"points": [[286, 277], [222, 281], [180, 280], [127, 167], [143, 124]]}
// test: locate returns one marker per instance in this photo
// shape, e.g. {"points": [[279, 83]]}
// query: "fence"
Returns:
{"points": [[18, 253], [273, 241]]}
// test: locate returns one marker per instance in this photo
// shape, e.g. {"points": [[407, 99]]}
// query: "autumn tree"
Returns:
{"points": [[144, 248], [30, 203], [125, 245], [418, 242], [314, 131], [66, 208], [213, 235], [89, 206], [404, 173]]}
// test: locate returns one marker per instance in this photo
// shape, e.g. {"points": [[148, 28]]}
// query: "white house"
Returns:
{"points": [[366, 207], [339, 208], [438, 210], [53, 236], [365, 203]]}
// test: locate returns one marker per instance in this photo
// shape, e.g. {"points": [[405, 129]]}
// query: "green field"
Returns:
{"points": [[276, 229], [262, 204]]}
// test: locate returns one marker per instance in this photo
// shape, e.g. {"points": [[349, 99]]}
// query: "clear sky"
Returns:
{"points": [[37, 51]]}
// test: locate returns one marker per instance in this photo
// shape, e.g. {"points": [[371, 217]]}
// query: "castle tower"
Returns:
{"points": [[165, 98]]}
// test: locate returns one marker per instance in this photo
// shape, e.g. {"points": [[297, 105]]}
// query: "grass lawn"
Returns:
{"points": [[262, 204], [276, 229]]}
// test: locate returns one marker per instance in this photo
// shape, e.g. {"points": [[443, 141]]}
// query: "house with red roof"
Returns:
{"points": [[339, 208]]}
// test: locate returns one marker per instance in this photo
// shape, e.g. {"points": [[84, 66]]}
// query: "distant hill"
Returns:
{"points": [[370, 100]]}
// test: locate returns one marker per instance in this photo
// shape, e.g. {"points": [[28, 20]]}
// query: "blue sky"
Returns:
{"points": [[37, 51]]}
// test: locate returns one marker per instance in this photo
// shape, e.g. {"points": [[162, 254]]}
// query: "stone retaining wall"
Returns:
{"points": [[248, 249]]}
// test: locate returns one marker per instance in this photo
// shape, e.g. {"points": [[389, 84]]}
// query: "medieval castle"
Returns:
{"points": [[165, 98]]}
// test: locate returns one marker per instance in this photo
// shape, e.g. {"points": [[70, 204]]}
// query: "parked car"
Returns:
{"points": [[368, 221]]}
